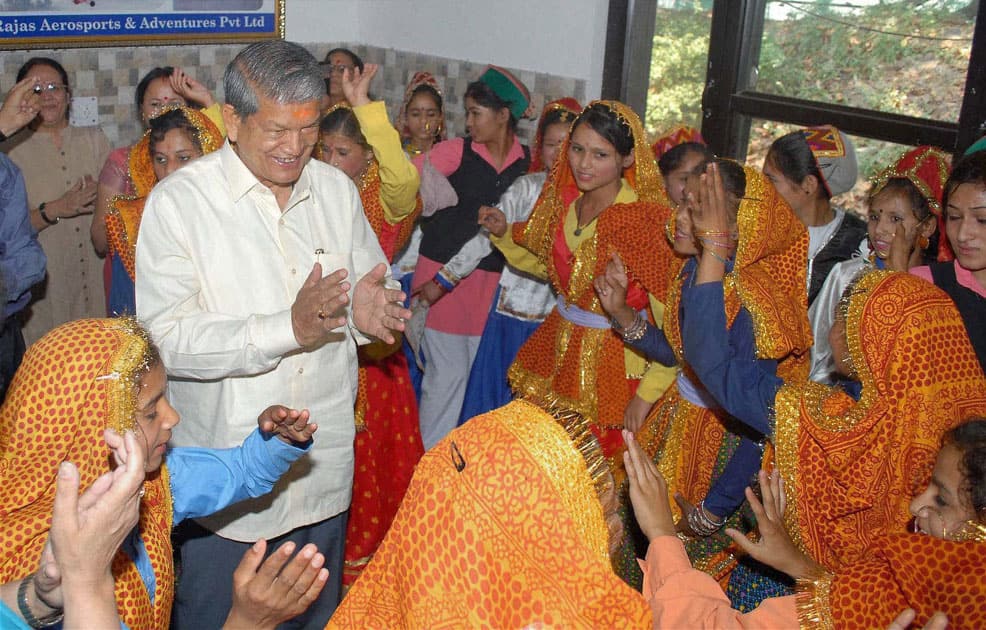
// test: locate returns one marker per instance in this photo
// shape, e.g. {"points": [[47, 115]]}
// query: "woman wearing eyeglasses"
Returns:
{"points": [[61, 165]]}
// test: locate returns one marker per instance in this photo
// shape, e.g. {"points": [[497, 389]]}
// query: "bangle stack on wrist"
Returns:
{"points": [[700, 522], [48, 620], [634, 332]]}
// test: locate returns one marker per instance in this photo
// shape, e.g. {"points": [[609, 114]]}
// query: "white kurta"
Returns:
{"points": [[218, 267]]}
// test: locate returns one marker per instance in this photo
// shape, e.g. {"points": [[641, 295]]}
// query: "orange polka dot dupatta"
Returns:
{"points": [[851, 467], [902, 571], [502, 527], [73, 383]]}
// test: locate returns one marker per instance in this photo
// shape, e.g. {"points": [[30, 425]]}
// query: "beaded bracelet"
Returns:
{"points": [[700, 523]]}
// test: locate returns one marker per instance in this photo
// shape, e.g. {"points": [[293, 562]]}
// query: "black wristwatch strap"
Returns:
{"points": [[44, 215]]}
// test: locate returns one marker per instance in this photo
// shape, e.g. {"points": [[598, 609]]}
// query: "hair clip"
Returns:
{"points": [[457, 459]]}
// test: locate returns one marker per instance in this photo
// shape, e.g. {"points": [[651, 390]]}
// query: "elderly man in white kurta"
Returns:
{"points": [[230, 282]]}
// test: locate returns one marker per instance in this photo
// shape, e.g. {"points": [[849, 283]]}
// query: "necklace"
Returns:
{"points": [[578, 218]]}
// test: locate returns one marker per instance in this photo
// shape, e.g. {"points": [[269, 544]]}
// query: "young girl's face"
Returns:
{"points": [[891, 210], [484, 123], [341, 152], [424, 118], [155, 417], [965, 225], [594, 161], [683, 238], [944, 506], [675, 180], [172, 152], [551, 141]]}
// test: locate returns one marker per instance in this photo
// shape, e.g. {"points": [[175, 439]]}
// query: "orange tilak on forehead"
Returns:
{"points": [[305, 112]]}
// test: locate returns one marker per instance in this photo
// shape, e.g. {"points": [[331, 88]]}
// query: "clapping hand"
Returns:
{"points": [[268, 592], [775, 546], [648, 491], [377, 310]]}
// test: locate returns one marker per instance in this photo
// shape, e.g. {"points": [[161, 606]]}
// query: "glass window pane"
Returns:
{"points": [[897, 56], [678, 64], [872, 157]]}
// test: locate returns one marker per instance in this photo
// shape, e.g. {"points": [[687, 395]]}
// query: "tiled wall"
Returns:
{"points": [[111, 75]]}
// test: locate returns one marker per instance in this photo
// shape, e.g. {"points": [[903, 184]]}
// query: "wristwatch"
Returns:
{"points": [[44, 215]]}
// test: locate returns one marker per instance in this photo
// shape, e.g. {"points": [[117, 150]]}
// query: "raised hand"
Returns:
{"points": [[899, 256], [268, 592], [775, 546], [356, 84], [290, 425], [377, 310], [648, 491], [85, 534], [20, 106], [190, 89], [493, 220]]}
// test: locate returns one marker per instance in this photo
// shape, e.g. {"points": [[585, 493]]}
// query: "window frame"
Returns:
{"points": [[729, 105]]}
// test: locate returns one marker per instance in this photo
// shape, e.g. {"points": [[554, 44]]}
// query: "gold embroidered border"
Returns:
{"points": [[787, 421], [812, 602]]}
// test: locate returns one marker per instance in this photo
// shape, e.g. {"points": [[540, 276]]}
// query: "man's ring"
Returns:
{"points": [[321, 313]]}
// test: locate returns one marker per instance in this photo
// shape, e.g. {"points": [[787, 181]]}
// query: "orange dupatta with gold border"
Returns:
{"points": [[75, 382], [501, 527], [851, 467]]}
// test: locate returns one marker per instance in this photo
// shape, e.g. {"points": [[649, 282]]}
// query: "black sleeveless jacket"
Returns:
{"points": [[477, 184]]}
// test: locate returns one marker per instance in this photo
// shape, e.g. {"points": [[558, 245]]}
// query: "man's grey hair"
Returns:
{"points": [[281, 71]]}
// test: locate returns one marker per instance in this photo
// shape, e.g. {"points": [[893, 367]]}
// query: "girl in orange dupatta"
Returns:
{"points": [[502, 527], [603, 197], [937, 571], [95, 374], [360, 141], [174, 137], [851, 464]]}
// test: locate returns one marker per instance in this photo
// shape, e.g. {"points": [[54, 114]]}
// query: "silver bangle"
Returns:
{"points": [[700, 523]]}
